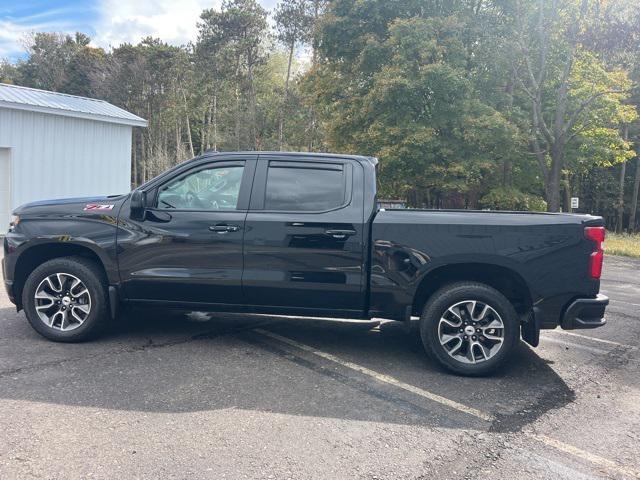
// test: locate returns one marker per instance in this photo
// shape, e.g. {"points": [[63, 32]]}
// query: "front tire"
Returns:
{"points": [[469, 328], [66, 299]]}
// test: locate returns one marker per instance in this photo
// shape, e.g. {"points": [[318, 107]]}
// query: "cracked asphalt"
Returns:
{"points": [[233, 396]]}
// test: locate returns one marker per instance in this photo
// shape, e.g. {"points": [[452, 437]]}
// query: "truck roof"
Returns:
{"points": [[303, 155]]}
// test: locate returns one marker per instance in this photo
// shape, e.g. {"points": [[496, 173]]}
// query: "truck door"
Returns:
{"points": [[188, 247], [303, 245]]}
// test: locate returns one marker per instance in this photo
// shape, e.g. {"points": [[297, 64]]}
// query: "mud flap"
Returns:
{"points": [[530, 330], [113, 301], [410, 325]]}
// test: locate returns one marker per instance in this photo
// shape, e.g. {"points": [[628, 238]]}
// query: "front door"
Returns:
{"points": [[304, 236], [188, 249]]}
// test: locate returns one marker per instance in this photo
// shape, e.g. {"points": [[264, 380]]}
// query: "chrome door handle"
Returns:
{"points": [[224, 228], [340, 234]]}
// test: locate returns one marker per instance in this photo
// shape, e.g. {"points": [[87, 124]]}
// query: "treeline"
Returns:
{"points": [[511, 104]]}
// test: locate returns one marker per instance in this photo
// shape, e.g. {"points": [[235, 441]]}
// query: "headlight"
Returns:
{"points": [[15, 220]]}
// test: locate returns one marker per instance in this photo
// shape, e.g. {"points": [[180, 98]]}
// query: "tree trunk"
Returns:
{"points": [[134, 182], [619, 224], [143, 158], [203, 134], [237, 119], [286, 97], [634, 198], [253, 128], [553, 183], [178, 134], [215, 121], [208, 127], [189, 136], [186, 108], [567, 193]]}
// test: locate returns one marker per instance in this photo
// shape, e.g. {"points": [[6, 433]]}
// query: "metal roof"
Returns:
{"points": [[31, 99]]}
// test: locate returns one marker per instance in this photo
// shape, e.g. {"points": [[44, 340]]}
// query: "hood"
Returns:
{"points": [[97, 204]]}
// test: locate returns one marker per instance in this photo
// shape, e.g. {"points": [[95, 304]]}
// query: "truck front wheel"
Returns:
{"points": [[469, 328], [65, 299]]}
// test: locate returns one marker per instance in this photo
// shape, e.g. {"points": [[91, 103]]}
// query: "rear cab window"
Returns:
{"points": [[305, 186]]}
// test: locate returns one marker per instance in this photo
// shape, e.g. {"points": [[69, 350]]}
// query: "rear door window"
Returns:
{"points": [[304, 187]]}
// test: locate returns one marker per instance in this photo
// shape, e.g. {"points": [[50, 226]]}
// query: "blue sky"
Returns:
{"points": [[107, 22]]}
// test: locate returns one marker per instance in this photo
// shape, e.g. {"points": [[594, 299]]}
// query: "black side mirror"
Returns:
{"points": [[138, 205]]}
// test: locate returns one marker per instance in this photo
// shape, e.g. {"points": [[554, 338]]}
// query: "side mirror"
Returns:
{"points": [[138, 205]]}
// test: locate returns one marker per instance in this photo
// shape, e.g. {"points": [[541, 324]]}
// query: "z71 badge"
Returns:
{"points": [[97, 206]]}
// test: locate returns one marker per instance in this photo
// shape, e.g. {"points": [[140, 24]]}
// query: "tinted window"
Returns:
{"points": [[314, 188], [210, 189]]}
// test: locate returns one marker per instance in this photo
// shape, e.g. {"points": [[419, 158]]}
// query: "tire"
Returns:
{"points": [[450, 315], [85, 315]]}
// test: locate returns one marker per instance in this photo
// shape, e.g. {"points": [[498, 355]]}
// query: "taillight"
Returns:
{"points": [[596, 235]]}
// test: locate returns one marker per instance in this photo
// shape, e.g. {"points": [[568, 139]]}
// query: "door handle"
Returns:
{"points": [[340, 234], [224, 228]]}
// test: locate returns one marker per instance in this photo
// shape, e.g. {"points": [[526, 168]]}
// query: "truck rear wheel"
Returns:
{"points": [[65, 299], [469, 328]]}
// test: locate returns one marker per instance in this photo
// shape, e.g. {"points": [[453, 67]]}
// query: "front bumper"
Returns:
{"points": [[585, 313], [7, 270]]}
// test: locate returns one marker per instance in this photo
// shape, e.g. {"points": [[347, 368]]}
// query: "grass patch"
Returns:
{"points": [[622, 244]]}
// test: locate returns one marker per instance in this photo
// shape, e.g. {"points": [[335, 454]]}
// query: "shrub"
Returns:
{"points": [[509, 198]]}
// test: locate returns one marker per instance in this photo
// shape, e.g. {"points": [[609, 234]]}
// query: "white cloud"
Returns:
{"points": [[174, 21], [14, 32]]}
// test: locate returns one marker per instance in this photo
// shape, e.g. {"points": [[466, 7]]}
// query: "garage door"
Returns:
{"points": [[5, 189]]}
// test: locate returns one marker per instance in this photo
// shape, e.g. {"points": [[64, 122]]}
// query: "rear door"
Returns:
{"points": [[303, 246]]}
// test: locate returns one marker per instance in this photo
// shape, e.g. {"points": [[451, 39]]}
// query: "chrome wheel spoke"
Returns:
{"points": [[57, 301], [55, 288], [81, 293], [457, 346], [471, 331], [74, 313], [478, 346], [61, 280], [491, 336], [74, 284], [64, 318], [54, 317], [82, 308], [495, 324]]}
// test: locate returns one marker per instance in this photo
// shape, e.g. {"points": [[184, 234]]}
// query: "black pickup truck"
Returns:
{"points": [[301, 234]]}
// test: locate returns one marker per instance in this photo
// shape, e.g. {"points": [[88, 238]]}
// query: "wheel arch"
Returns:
{"points": [[39, 252], [504, 279]]}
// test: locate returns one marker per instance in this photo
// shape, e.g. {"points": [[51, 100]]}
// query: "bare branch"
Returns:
{"points": [[573, 118], [540, 156]]}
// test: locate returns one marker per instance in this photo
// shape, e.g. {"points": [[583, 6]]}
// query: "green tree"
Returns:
{"points": [[239, 28], [294, 20], [570, 94], [396, 85]]}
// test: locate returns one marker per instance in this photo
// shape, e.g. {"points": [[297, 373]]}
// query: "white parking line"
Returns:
{"points": [[579, 346], [613, 301], [593, 339], [551, 442], [381, 377], [590, 457]]}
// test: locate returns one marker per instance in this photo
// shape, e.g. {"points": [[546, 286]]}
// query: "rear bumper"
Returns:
{"points": [[585, 313]]}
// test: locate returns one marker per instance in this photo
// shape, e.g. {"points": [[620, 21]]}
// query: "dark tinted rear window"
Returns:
{"points": [[315, 187]]}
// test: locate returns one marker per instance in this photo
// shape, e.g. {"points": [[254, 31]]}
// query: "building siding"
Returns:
{"points": [[54, 156]]}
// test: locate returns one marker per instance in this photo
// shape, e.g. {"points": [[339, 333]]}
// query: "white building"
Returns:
{"points": [[54, 145]]}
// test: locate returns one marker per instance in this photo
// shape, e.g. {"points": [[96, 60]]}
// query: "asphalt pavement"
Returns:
{"points": [[234, 396]]}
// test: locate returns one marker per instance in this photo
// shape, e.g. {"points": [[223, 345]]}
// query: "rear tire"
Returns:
{"points": [[66, 299], [469, 328]]}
